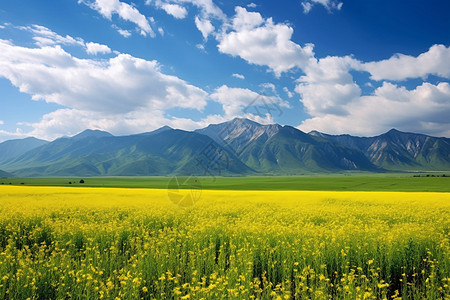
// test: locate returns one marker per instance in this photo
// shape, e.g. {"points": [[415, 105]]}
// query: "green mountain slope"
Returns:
{"points": [[4, 174], [14, 148], [92, 154], [397, 151], [291, 151], [237, 147], [275, 149]]}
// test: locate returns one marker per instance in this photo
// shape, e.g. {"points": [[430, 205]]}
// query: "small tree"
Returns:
{"points": [[81, 181]]}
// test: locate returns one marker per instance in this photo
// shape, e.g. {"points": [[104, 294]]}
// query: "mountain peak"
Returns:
{"points": [[91, 133], [165, 127], [317, 133], [246, 121], [159, 130], [393, 131]]}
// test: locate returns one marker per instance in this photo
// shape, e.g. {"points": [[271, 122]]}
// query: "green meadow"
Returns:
{"points": [[352, 182]]}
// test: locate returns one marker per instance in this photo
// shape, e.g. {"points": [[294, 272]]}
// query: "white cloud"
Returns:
{"points": [[334, 101], [328, 85], [69, 122], [245, 20], [120, 87], [269, 86], [17, 134], [201, 47], [207, 12], [238, 76], [261, 42], [46, 37], [205, 27], [122, 32], [330, 5], [307, 6], [207, 7], [288, 92], [174, 10], [424, 109], [161, 31], [436, 61], [125, 11], [1, 122], [233, 100], [43, 36], [252, 5], [95, 48], [238, 102]]}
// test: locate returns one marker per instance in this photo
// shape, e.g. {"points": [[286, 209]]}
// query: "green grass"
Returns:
{"points": [[377, 182]]}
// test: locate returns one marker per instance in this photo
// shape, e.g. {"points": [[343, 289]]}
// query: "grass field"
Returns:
{"points": [[374, 182], [88, 243]]}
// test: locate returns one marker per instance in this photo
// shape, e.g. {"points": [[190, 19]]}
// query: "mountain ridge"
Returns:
{"points": [[4, 174], [399, 150], [237, 147], [12, 148]]}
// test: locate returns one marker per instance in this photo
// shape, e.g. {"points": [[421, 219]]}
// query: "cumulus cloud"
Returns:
{"points": [[424, 109], [336, 105], [233, 100], [330, 5], [328, 85], [125, 11], [116, 88], [95, 48], [119, 84], [262, 42], [205, 27], [436, 61], [174, 10], [239, 102], [238, 76]]}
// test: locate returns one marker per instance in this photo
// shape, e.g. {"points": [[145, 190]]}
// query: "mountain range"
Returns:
{"points": [[237, 147]]}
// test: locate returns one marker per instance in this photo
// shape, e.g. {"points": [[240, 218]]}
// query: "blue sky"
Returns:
{"points": [[336, 66]]}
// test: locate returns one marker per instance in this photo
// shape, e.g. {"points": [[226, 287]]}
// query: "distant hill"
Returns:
{"points": [[399, 151], [14, 148], [162, 152], [234, 148], [4, 174]]}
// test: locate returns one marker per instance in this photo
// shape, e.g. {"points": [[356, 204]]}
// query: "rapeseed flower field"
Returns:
{"points": [[94, 243]]}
